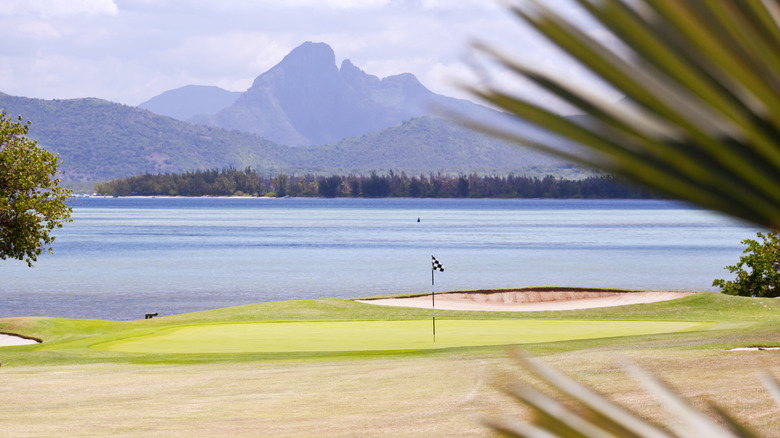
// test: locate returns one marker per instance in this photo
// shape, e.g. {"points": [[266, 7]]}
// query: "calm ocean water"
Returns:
{"points": [[120, 258]]}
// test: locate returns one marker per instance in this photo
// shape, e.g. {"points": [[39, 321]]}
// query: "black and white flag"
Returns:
{"points": [[436, 265]]}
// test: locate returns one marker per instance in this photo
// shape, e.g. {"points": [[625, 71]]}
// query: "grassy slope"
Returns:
{"points": [[81, 392], [738, 320], [372, 336]]}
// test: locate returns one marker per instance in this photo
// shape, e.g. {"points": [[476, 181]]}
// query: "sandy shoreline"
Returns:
{"points": [[11, 340], [531, 300]]}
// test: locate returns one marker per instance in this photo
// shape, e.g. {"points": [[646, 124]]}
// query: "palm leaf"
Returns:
{"points": [[701, 118], [588, 414]]}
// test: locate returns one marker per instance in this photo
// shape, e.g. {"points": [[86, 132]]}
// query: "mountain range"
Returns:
{"points": [[305, 114], [190, 100]]}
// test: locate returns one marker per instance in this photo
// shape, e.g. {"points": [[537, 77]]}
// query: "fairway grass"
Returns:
{"points": [[347, 336], [338, 368]]}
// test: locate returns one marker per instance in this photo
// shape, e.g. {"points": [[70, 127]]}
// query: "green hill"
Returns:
{"points": [[428, 144], [100, 140]]}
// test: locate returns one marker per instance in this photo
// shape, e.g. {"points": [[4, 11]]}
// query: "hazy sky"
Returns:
{"points": [[128, 51]]}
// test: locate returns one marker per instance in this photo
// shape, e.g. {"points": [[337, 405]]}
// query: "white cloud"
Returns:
{"points": [[339, 4], [462, 5], [28, 27], [131, 52], [57, 8], [227, 6]]}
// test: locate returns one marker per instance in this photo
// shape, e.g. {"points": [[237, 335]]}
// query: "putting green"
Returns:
{"points": [[377, 335]]}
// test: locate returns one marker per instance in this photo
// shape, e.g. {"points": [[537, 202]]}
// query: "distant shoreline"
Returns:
{"points": [[248, 182], [349, 197]]}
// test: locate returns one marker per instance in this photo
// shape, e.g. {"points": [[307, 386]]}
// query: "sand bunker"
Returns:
{"points": [[531, 300], [11, 340]]}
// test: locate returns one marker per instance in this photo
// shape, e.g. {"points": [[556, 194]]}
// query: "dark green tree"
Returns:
{"points": [[329, 187], [375, 186], [32, 203], [282, 184], [758, 271], [462, 190]]}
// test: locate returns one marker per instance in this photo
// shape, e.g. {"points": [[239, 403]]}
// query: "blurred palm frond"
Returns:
{"points": [[700, 121], [584, 413]]}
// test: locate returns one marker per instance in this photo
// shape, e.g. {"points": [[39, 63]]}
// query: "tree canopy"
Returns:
{"points": [[248, 182], [32, 204], [758, 271]]}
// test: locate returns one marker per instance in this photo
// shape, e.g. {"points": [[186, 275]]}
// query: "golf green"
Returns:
{"points": [[377, 335]]}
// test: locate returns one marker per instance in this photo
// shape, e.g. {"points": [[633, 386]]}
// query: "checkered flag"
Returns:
{"points": [[436, 265]]}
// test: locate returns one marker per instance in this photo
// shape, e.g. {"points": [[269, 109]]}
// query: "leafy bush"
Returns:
{"points": [[32, 204], [758, 271]]}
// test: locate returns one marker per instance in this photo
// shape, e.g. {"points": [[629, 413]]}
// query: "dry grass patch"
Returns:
{"points": [[412, 393], [728, 379], [410, 397], [400, 397]]}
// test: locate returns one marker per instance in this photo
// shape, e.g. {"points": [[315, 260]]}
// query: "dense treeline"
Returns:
{"points": [[247, 182]]}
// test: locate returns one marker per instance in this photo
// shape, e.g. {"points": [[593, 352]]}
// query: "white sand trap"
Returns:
{"points": [[11, 340], [531, 300]]}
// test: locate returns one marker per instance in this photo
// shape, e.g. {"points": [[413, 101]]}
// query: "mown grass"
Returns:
{"points": [[64, 387], [353, 336], [735, 321]]}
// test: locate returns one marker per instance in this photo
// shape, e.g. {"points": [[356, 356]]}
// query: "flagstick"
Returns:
{"points": [[434, 266], [433, 305]]}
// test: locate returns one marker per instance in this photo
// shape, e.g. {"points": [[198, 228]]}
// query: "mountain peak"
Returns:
{"points": [[356, 77], [348, 66], [407, 81], [306, 99], [310, 55], [307, 63]]}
